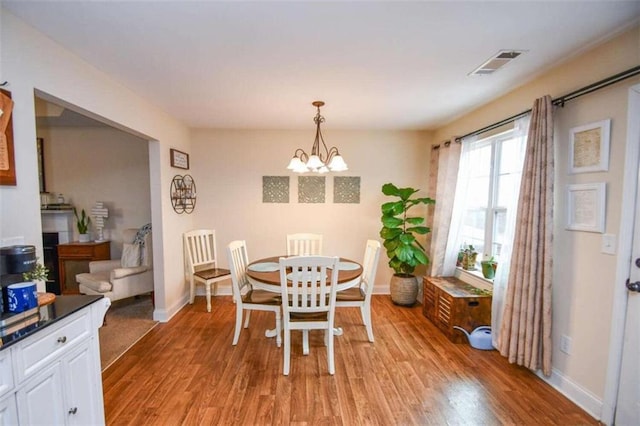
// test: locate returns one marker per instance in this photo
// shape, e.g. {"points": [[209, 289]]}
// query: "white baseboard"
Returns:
{"points": [[581, 397], [381, 289], [164, 315]]}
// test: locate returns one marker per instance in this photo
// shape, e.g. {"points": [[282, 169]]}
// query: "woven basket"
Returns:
{"points": [[404, 290]]}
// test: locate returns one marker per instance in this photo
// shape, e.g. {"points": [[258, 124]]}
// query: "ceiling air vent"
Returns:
{"points": [[496, 62]]}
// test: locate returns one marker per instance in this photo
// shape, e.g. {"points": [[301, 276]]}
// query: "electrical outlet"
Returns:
{"points": [[608, 244], [565, 344]]}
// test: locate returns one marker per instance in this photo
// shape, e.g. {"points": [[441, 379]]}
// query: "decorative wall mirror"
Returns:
{"points": [[183, 194]]}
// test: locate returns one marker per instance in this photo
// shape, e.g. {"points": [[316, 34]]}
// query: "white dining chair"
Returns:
{"points": [[304, 244], [360, 296], [201, 262], [245, 296], [308, 301]]}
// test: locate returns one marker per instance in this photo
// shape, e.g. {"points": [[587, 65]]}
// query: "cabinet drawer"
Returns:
{"points": [[6, 373], [71, 251], [48, 345]]}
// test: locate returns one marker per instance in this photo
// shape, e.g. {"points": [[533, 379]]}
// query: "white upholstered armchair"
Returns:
{"points": [[129, 276]]}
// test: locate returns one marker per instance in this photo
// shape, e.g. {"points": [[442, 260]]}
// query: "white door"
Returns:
{"points": [[627, 410]]}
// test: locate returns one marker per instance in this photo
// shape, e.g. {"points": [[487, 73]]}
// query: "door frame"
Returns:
{"points": [[623, 261]]}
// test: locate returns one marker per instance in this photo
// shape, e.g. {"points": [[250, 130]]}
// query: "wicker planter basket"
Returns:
{"points": [[404, 290]]}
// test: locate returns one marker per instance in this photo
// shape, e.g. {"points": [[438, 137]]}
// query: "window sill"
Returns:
{"points": [[474, 278]]}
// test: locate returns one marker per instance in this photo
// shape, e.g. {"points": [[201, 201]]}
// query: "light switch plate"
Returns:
{"points": [[608, 244]]}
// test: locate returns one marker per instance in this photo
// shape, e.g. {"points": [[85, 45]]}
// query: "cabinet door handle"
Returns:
{"points": [[62, 339], [73, 410]]}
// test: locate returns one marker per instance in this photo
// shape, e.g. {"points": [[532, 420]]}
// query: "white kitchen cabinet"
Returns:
{"points": [[56, 376], [40, 399], [83, 401], [6, 373], [8, 410]]}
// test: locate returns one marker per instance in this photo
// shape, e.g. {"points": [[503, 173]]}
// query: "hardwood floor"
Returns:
{"points": [[187, 372]]}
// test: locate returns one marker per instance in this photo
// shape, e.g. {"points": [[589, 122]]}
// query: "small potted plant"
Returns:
{"points": [[403, 249], [38, 273], [82, 222], [469, 257], [489, 267]]}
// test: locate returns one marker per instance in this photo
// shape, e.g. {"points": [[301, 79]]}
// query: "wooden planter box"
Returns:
{"points": [[449, 301]]}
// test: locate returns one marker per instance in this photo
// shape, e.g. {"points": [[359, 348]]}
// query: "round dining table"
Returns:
{"points": [[264, 274]]}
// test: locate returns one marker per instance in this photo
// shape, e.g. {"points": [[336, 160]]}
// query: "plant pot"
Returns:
{"points": [[84, 238], [469, 261], [489, 269], [404, 289]]}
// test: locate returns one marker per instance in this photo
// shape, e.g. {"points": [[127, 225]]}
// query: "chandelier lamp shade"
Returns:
{"points": [[321, 159]]}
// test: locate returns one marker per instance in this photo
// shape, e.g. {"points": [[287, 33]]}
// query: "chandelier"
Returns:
{"points": [[321, 160]]}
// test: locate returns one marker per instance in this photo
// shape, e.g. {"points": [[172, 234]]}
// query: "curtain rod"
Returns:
{"points": [[562, 99]]}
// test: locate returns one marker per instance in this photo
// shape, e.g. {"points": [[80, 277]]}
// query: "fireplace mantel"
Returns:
{"points": [[60, 221]]}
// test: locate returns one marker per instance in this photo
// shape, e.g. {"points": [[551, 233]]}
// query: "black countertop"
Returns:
{"points": [[61, 308]]}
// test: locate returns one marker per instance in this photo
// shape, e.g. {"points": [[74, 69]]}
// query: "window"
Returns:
{"points": [[487, 192]]}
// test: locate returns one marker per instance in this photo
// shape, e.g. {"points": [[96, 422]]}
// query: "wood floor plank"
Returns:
{"points": [[187, 372]]}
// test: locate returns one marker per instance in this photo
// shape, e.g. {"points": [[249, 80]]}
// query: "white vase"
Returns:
{"points": [[84, 238]]}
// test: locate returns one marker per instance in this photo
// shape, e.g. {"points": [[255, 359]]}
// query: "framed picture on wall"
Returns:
{"points": [[586, 207], [7, 159], [179, 159], [589, 147]]}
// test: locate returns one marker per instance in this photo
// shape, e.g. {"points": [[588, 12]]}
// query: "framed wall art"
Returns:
{"points": [[7, 159], [586, 207], [589, 147], [179, 159]]}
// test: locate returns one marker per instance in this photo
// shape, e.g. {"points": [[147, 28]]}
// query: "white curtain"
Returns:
{"points": [[461, 195], [469, 166], [445, 177], [521, 127]]}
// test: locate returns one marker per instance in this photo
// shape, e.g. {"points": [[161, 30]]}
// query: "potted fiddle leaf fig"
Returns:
{"points": [[82, 222], [404, 250]]}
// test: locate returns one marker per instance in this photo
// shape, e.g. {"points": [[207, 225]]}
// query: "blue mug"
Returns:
{"points": [[22, 296]]}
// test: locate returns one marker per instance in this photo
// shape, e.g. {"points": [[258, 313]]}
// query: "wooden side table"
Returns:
{"points": [[449, 301], [74, 258]]}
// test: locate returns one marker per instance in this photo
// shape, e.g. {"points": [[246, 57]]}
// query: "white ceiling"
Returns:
{"points": [[377, 65]]}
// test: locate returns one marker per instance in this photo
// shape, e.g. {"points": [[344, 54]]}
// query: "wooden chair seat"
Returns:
{"points": [[212, 273], [353, 294], [262, 297], [317, 316]]}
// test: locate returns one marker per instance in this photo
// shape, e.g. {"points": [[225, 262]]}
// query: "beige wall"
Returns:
{"points": [[33, 62], [92, 164], [583, 276], [228, 167]]}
